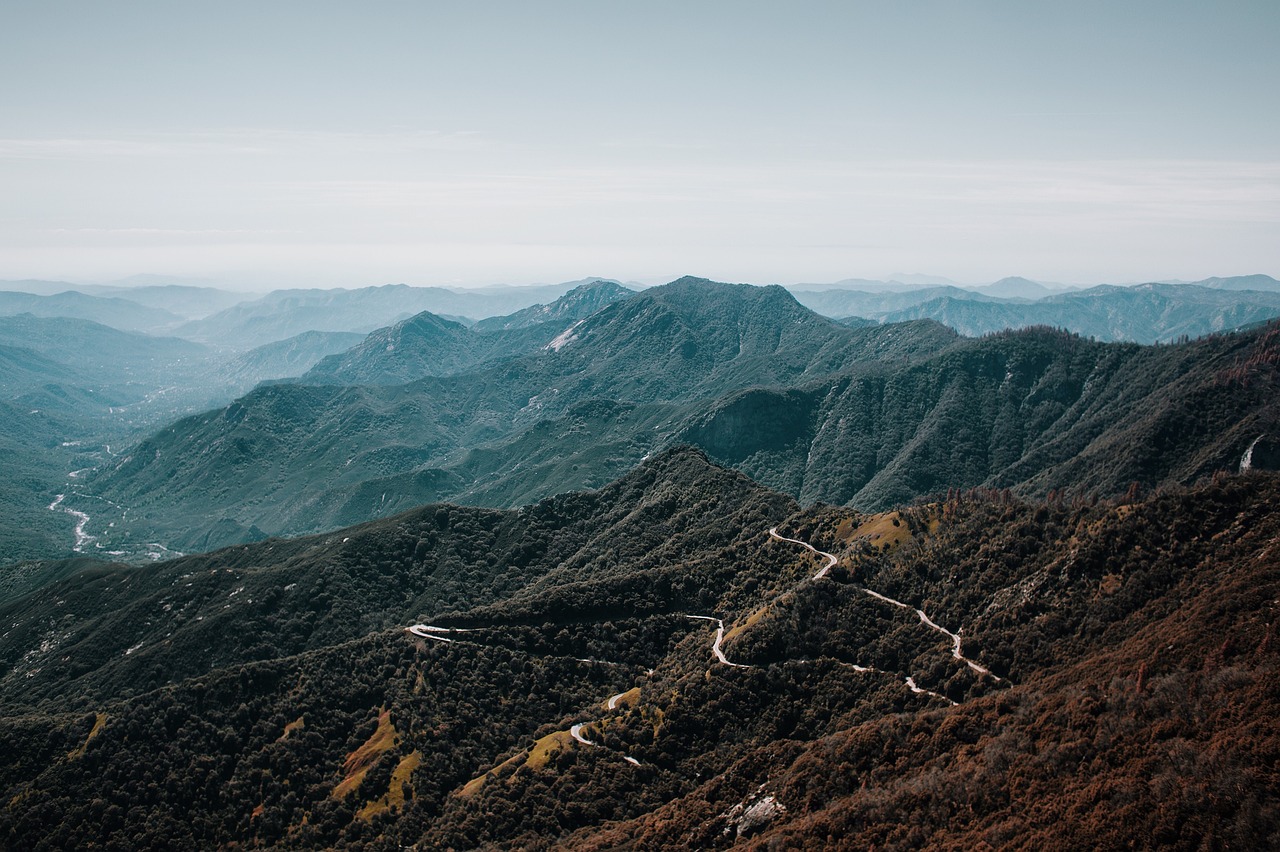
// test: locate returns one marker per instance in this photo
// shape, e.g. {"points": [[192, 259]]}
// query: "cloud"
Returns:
{"points": [[924, 191], [736, 217]]}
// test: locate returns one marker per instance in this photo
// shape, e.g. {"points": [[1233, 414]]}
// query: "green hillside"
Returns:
{"points": [[294, 458], [1034, 410], [868, 417]]}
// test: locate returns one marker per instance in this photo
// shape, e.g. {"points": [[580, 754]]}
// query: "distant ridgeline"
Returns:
{"points": [[871, 417], [1146, 313]]}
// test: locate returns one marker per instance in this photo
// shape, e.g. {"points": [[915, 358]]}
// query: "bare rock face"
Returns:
{"points": [[1263, 454], [753, 814]]}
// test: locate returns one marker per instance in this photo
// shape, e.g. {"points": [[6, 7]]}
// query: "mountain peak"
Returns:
{"points": [[577, 304], [700, 291], [422, 345], [1016, 287]]}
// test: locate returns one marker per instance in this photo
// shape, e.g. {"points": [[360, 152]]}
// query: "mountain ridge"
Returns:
{"points": [[866, 429], [664, 347], [429, 345]]}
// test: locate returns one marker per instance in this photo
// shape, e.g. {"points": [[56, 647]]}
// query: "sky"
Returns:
{"points": [[320, 143]]}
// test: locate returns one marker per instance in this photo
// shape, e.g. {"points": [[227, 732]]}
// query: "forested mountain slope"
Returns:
{"points": [[429, 345], [1035, 410], [1145, 663], [869, 417], [974, 670], [363, 579], [662, 354]]}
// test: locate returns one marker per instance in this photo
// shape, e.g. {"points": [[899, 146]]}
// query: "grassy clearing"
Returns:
{"points": [[541, 752], [98, 723], [296, 725], [750, 620], [884, 530], [394, 797], [360, 761], [549, 745], [630, 698]]}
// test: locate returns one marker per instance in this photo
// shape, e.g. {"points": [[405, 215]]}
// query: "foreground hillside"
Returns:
{"points": [[649, 666]]}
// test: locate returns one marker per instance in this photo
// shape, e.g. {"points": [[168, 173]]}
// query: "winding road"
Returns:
{"points": [[715, 646], [429, 631], [907, 679], [831, 560], [924, 619], [911, 684], [929, 622]]}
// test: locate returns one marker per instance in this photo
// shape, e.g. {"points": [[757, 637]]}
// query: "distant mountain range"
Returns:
{"points": [[237, 320], [115, 312], [1011, 287], [230, 320], [95, 387], [1146, 313], [509, 410], [83, 369], [579, 303], [1262, 283], [286, 313], [870, 417], [662, 350], [282, 359]]}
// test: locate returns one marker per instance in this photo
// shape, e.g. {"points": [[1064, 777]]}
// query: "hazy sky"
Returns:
{"points": [[456, 143]]}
